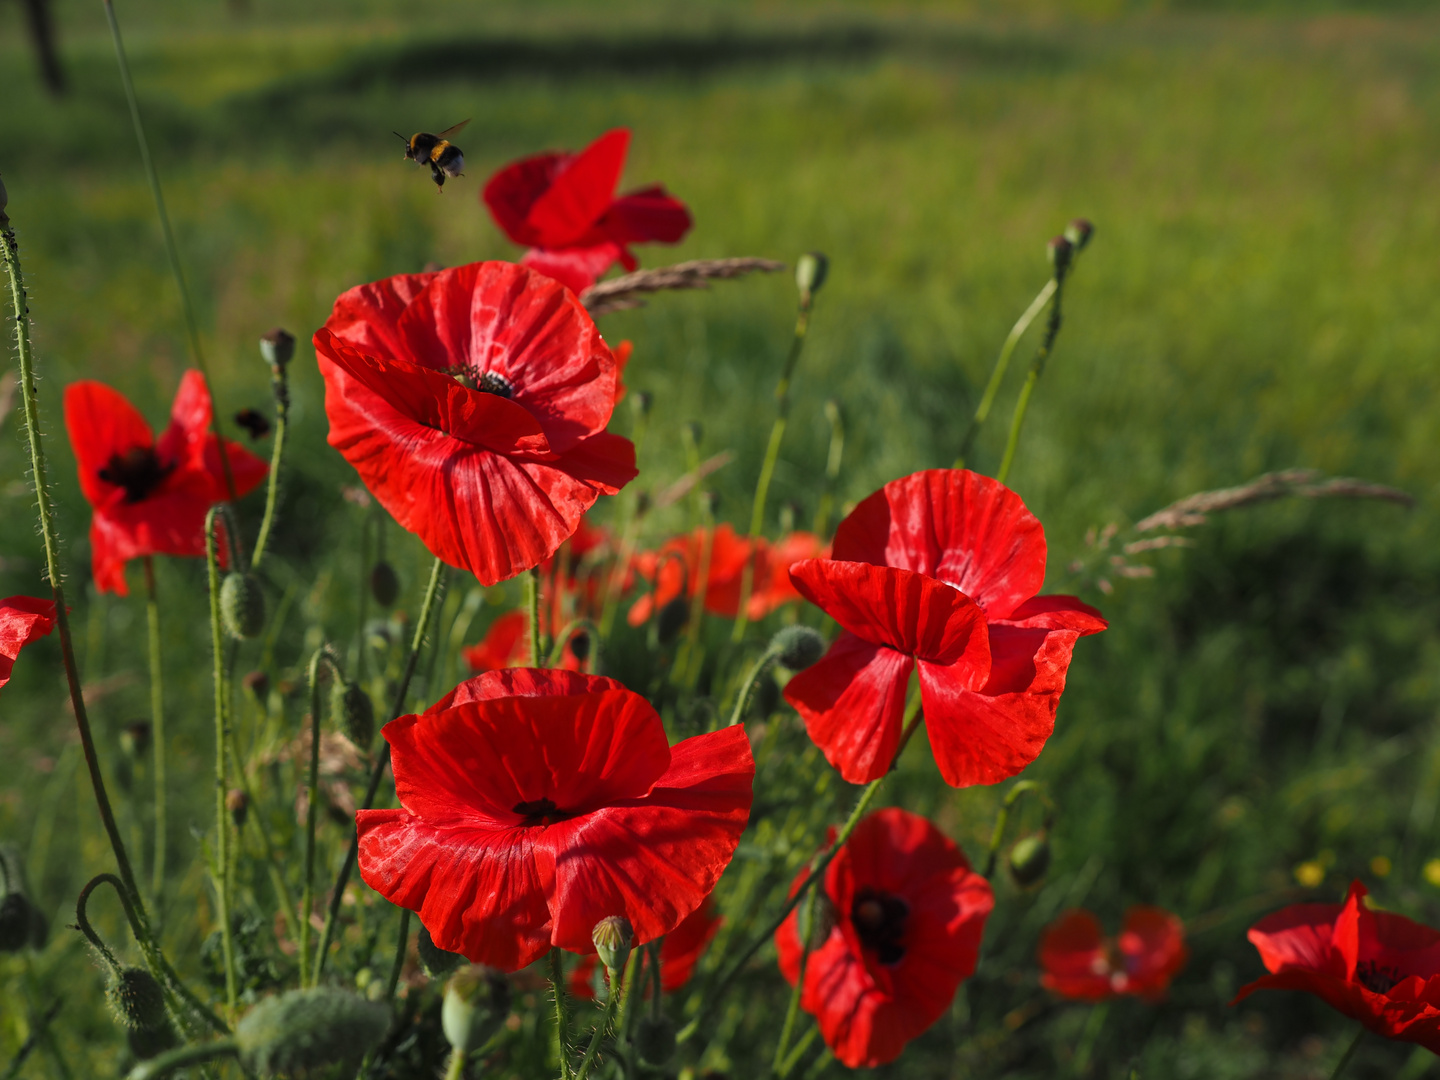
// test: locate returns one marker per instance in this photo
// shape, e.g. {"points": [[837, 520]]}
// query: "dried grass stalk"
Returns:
{"points": [[624, 292], [1305, 483]]}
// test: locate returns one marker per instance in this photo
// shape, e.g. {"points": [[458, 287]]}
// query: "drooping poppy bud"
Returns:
{"points": [[1059, 251], [384, 584], [811, 269], [580, 645], [435, 961], [14, 922], [1029, 859], [242, 605], [477, 1000], [305, 1029], [353, 712], [612, 937], [137, 1000], [655, 1039], [135, 739], [1078, 232], [277, 347], [797, 647]]}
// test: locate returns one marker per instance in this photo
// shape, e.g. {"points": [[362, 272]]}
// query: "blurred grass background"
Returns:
{"points": [[1259, 295]]}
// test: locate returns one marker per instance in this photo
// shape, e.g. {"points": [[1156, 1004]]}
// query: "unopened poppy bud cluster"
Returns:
{"points": [[537, 818]]}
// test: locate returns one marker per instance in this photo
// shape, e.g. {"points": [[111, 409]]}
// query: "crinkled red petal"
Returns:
{"points": [[23, 619], [580, 191], [1073, 960], [650, 214], [577, 268]]}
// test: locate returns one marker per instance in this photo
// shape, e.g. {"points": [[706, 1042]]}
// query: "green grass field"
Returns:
{"points": [[1259, 295]]}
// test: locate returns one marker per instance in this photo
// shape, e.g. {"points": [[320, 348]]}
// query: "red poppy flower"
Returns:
{"points": [[535, 803], [149, 497], [939, 568], [473, 404], [1081, 963], [564, 207], [1375, 967], [678, 954], [23, 619], [907, 913]]}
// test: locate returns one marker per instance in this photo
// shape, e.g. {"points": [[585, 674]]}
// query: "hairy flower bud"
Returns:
{"points": [[477, 1000], [655, 1039], [435, 961], [277, 347], [612, 936], [1078, 232], [1029, 859], [384, 584], [1059, 251], [811, 270], [242, 605], [14, 922], [137, 1000], [797, 647], [238, 804], [351, 708], [305, 1029]]}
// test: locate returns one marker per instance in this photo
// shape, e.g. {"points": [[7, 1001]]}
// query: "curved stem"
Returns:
{"points": [[997, 374], [194, 1054], [997, 835], [792, 1012], [172, 251], [157, 727], [1052, 329], [602, 1028], [382, 760], [281, 392], [562, 1018], [747, 689], [567, 632], [1349, 1053], [222, 741], [82, 917]]}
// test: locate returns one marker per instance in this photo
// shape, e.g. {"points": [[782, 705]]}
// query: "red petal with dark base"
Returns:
{"points": [[968, 530], [23, 619], [1072, 956]]}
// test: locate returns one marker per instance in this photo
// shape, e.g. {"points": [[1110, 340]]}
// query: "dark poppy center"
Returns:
{"points": [[489, 382], [139, 471], [1377, 978], [540, 812], [879, 920]]}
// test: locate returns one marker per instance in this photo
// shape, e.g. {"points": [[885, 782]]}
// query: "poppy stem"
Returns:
{"points": [[532, 606], [687, 665], [323, 655], [832, 468], [747, 689], [280, 390], [221, 866], [1349, 1053], [402, 941], [172, 251], [997, 374], [1052, 330], [772, 455], [1002, 819], [157, 725], [194, 1054], [562, 1016], [377, 773], [602, 1028], [792, 1012]]}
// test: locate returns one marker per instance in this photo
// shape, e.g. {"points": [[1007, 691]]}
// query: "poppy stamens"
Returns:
{"points": [[879, 920], [139, 471], [1377, 978], [540, 812]]}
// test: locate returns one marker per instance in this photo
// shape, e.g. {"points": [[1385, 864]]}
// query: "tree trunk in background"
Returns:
{"points": [[42, 33]]}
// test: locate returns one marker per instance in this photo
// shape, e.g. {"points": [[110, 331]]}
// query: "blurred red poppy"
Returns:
{"points": [[564, 207], [1376, 967], [535, 803], [940, 568], [906, 914], [23, 619], [678, 954], [473, 404], [1080, 962], [149, 497]]}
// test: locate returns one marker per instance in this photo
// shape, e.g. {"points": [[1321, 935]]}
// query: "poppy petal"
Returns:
{"points": [[1072, 954], [655, 859], [853, 703], [649, 214], [23, 619], [581, 191], [523, 682], [101, 423], [512, 191], [184, 439], [368, 316], [504, 645], [965, 529], [577, 268]]}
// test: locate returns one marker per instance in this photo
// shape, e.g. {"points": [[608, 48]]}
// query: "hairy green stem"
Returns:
{"points": [[157, 726], [532, 607], [1349, 1053], [194, 1054], [222, 741], [792, 1011], [833, 460], [562, 1013], [382, 760], [602, 1028], [997, 374], [772, 455], [1037, 366], [402, 941], [280, 390], [172, 251], [323, 655], [747, 689], [455, 1068]]}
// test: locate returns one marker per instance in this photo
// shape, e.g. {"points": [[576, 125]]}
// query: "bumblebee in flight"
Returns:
{"points": [[443, 157]]}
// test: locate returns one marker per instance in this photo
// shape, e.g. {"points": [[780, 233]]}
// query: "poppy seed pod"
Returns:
{"points": [[137, 1000], [351, 708], [1078, 232], [1029, 859], [810, 272], [612, 937], [477, 1000], [303, 1029], [242, 605], [435, 961], [277, 347], [384, 584], [15, 922], [797, 647], [1059, 251], [655, 1039]]}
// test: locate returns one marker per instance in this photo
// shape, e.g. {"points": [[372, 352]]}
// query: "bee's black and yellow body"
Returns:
{"points": [[437, 151]]}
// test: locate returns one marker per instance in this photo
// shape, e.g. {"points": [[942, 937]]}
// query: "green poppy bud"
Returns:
{"points": [[137, 1000], [242, 605], [811, 269], [612, 936], [1078, 232], [146, 1044], [1029, 859], [15, 922], [477, 1000], [655, 1039], [351, 708], [797, 647], [384, 584], [277, 347], [305, 1029], [1059, 251], [672, 619], [435, 961]]}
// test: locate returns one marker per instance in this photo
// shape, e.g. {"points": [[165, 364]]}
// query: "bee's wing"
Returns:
{"points": [[452, 130]]}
